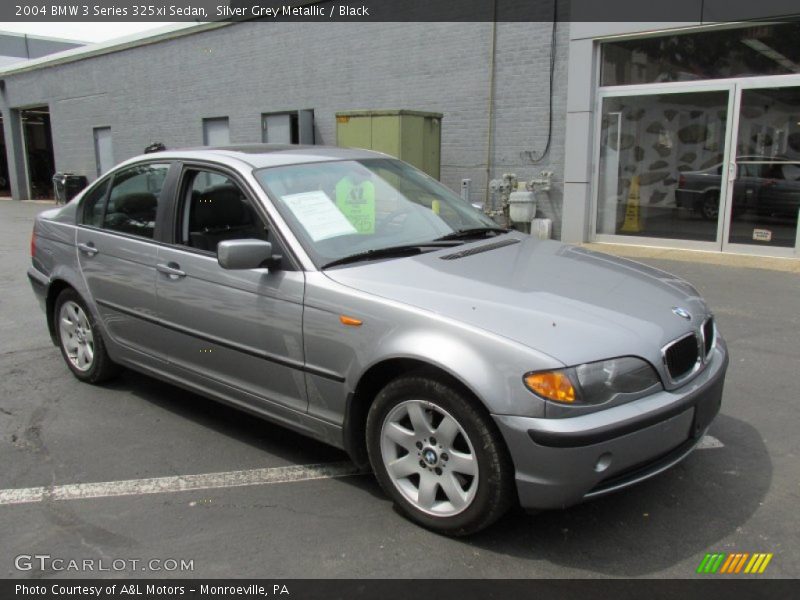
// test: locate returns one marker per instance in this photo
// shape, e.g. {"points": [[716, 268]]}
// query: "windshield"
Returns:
{"points": [[338, 209]]}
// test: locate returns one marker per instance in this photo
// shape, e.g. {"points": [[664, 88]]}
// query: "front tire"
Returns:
{"points": [[80, 340], [437, 454]]}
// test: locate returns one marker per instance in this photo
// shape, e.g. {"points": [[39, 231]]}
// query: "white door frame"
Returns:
{"points": [[651, 90]]}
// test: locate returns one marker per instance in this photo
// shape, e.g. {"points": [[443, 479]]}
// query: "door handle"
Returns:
{"points": [[88, 248], [733, 171], [172, 269]]}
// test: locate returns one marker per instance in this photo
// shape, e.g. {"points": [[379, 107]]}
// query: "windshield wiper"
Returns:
{"points": [[391, 251], [472, 232]]}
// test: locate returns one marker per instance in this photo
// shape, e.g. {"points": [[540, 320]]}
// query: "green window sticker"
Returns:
{"points": [[356, 200]]}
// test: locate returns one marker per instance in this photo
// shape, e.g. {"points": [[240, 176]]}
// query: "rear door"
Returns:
{"points": [[239, 331], [117, 252]]}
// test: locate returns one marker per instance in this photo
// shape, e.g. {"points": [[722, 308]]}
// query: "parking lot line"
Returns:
{"points": [[178, 483], [203, 481]]}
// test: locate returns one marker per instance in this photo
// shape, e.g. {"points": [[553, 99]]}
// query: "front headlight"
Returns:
{"points": [[594, 383]]}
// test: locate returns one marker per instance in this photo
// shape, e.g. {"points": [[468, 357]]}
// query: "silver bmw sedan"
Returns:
{"points": [[348, 296]]}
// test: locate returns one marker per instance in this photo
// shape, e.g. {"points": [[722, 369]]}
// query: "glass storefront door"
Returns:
{"points": [[661, 162], [765, 193], [712, 166]]}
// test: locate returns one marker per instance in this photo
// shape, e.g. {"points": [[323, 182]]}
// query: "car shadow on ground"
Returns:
{"points": [[676, 516], [671, 518], [227, 420]]}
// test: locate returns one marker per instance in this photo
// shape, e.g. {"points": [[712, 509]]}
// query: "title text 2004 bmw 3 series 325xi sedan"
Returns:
{"points": [[347, 295]]}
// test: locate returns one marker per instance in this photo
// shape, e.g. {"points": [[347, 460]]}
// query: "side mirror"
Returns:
{"points": [[243, 254]]}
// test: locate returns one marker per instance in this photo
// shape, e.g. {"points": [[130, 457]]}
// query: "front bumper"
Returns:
{"points": [[560, 462]]}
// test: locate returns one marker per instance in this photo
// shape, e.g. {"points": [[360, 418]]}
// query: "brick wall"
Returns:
{"points": [[161, 91]]}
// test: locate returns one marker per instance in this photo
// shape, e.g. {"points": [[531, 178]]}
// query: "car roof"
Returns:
{"points": [[265, 155]]}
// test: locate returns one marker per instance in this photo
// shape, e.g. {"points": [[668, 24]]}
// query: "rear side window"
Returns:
{"points": [[94, 205], [133, 200]]}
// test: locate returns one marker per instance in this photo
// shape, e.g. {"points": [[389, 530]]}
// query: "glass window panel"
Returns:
{"points": [[759, 50], [340, 208], [133, 201], [94, 205], [216, 210], [766, 192], [660, 165]]}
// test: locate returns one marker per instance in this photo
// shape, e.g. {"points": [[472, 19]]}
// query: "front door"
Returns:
{"points": [[662, 163], [239, 330]]}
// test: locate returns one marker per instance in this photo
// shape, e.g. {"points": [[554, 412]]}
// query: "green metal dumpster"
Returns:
{"points": [[410, 135]]}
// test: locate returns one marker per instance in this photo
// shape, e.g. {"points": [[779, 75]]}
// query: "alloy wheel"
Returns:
{"points": [[429, 458], [76, 335], [710, 208]]}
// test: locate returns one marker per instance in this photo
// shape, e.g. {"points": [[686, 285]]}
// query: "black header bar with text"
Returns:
{"points": [[689, 11]]}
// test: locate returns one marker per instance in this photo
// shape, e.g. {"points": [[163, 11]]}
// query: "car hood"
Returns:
{"points": [[571, 303]]}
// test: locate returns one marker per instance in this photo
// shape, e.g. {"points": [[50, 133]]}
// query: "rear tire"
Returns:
{"points": [[438, 455], [80, 340]]}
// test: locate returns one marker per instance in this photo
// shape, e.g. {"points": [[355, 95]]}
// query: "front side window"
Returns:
{"points": [[133, 200], [337, 209], [214, 210]]}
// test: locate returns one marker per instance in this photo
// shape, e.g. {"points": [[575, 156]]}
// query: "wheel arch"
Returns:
{"points": [[372, 381], [55, 288]]}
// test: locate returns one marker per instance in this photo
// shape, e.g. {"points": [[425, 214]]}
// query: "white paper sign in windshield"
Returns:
{"points": [[318, 215]]}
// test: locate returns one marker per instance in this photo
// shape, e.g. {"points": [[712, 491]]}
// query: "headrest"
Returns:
{"points": [[219, 206]]}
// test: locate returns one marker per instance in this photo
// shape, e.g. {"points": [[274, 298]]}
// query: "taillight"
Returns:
{"points": [[33, 243], [681, 181]]}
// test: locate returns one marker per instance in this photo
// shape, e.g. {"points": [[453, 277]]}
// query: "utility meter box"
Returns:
{"points": [[410, 135], [522, 206]]}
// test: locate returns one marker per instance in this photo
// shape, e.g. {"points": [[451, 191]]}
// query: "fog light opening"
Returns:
{"points": [[603, 462]]}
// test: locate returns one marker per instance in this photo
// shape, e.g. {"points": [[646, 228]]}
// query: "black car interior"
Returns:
{"points": [[133, 201], [218, 213], [133, 213]]}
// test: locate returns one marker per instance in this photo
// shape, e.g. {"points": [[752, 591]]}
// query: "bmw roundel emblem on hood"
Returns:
{"points": [[682, 313]]}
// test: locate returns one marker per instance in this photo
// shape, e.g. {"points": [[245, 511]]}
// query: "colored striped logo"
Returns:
{"points": [[735, 563]]}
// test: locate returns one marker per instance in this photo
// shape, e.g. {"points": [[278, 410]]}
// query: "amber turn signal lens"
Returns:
{"points": [[350, 321], [553, 385]]}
